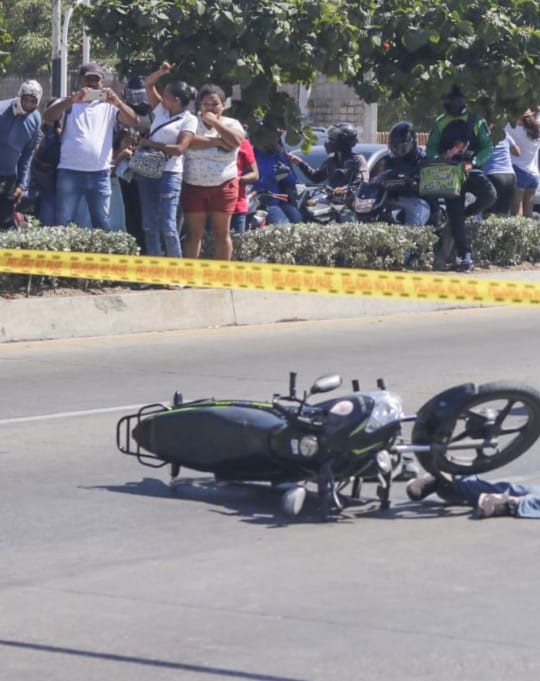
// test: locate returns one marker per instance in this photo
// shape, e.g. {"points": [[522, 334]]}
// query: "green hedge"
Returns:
{"points": [[67, 239], [496, 241], [505, 241], [375, 246]]}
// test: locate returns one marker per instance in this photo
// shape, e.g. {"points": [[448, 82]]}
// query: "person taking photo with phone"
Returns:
{"points": [[88, 118]]}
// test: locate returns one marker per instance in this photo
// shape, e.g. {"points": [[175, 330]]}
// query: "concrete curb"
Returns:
{"points": [[140, 312], [29, 319]]}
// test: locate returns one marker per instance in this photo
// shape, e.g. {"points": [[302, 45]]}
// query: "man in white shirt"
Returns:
{"points": [[88, 120]]}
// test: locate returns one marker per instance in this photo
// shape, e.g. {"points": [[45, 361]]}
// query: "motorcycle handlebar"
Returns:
{"points": [[294, 415]]}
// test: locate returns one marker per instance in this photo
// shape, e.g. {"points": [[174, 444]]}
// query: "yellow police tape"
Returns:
{"points": [[268, 277]]}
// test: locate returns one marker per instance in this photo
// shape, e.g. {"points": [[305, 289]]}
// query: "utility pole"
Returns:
{"points": [[56, 47], [85, 41], [60, 43]]}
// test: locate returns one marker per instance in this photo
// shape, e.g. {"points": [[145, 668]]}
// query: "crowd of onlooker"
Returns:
{"points": [[138, 161], [134, 162]]}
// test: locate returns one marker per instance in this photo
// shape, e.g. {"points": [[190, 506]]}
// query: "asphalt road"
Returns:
{"points": [[107, 575]]}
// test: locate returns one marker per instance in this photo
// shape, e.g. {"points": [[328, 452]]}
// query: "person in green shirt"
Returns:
{"points": [[460, 135]]}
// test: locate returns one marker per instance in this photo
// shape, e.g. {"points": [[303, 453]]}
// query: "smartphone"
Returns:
{"points": [[95, 96]]}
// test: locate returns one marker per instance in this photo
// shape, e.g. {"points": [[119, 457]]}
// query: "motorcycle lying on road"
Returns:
{"points": [[336, 444]]}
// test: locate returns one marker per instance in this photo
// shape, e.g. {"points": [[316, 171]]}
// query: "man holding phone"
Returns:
{"points": [[88, 119]]}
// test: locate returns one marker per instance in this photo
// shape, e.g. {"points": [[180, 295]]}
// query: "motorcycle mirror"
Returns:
{"points": [[325, 383]]}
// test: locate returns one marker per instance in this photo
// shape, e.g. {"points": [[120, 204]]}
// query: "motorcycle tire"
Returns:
{"points": [[484, 415]]}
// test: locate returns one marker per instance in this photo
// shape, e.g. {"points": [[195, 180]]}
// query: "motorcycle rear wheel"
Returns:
{"points": [[492, 428]]}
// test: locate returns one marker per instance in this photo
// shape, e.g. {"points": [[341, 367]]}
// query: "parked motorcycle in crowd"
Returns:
{"points": [[337, 444], [322, 205], [372, 202]]}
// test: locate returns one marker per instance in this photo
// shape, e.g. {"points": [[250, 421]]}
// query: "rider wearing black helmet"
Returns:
{"points": [[402, 140], [402, 169], [352, 167]]}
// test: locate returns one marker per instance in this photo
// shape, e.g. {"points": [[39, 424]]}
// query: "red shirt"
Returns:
{"points": [[244, 161]]}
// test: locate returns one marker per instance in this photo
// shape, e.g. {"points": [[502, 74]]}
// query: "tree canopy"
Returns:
{"points": [[413, 49], [490, 48], [28, 39], [5, 40], [397, 50]]}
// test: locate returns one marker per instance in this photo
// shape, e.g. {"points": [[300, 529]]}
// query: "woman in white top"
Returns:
{"points": [[526, 135], [210, 189], [160, 196]]}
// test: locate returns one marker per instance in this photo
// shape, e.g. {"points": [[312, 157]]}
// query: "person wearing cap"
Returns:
{"points": [[20, 123], [89, 117], [526, 134], [459, 135]]}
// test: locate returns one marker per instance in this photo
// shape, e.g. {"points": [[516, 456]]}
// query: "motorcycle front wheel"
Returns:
{"points": [[493, 427]]}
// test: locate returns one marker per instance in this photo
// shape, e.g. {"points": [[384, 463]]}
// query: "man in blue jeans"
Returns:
{"points": [[88, 118], [490, 499]]}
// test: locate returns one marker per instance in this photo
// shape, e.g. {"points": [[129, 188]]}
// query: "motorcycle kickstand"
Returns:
{"points": [[326, 492], [175, 472], [383, 490], [328, 496], [356, 487]]}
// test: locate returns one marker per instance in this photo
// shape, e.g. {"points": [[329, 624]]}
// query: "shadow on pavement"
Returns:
{"points": [[260, 503], [219, 672]]}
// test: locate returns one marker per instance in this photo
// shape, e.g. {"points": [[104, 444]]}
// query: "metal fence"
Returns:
{"points": [[422, 137]]}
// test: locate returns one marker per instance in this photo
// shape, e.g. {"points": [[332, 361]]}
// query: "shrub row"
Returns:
{"points": [[495, 241], [505, 241], [66, 239]]}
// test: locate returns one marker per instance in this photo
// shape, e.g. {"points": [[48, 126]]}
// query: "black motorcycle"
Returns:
{"points": [[373, 202], [336, 444], [322, 205]]}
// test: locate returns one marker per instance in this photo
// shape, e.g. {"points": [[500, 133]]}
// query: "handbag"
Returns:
{"points": [[442, 179], [151, 162], [148, 162]]}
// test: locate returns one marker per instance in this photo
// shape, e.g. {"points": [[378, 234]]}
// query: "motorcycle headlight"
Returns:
{"points": [[308, 445], [388, 407]]}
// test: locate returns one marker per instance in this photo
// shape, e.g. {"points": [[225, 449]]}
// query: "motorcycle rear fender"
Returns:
{"points": [[435, 419]]}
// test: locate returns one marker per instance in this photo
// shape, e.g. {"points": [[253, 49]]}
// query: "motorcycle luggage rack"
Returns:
{"points": [[124, 440]]}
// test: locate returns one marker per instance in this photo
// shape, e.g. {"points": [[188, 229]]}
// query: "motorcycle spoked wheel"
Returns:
{"points": [[505, 415]]}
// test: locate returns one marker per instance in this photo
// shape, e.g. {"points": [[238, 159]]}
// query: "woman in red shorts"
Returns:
{"points": [[210, 185]]}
